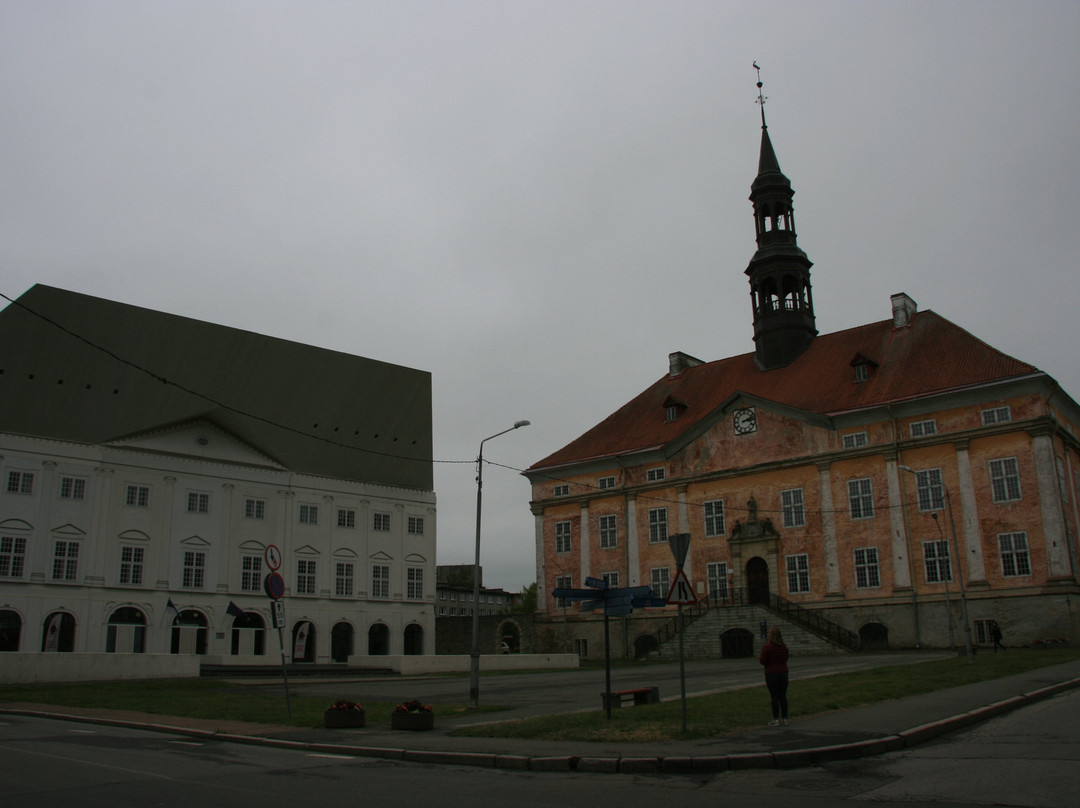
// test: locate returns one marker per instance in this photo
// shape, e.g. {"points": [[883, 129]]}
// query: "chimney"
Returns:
{"points": [[903, 309], [679, 361]]}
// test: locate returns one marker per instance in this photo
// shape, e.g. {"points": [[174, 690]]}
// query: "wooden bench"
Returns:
{"points": [[640, 695]]}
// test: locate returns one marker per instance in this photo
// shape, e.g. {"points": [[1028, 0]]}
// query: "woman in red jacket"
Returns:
{"points": [[774, 656]]}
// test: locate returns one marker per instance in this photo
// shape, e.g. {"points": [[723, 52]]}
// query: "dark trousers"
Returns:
{"points": [[777, 684]]}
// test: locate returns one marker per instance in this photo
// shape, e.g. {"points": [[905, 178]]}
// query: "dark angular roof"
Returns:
{"points": [[73, 368], [928, 357]]}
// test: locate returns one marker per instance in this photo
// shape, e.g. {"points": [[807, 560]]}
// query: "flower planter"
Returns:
{"points": [[343, 719], [412, 721]]}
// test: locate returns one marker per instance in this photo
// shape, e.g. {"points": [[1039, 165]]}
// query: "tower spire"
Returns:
{"points": [[779, 272]]}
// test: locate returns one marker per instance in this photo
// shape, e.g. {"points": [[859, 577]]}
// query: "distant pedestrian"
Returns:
{"points": [[995, 635], [774, 656]]}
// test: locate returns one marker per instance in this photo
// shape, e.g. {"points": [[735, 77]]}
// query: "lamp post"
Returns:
{"points": [[959, 568], [474, 661]]}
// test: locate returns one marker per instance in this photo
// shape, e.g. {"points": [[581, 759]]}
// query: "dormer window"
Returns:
{"points": [[863, 368], [673, 408]]}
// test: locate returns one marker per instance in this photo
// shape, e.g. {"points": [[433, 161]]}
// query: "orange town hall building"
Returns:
{"points": [[872, 476]]}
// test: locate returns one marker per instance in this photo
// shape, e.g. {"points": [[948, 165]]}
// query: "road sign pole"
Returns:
{"points": [[607, 667], [285, 670], [682, 668]]}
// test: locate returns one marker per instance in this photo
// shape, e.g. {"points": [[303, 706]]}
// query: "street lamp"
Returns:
{"points": [[959, 568], [474, 661]]}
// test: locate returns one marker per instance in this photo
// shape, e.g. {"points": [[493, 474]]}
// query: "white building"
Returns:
{"points": [[150, 461]]}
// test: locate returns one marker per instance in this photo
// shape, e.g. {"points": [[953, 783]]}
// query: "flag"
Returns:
{"points": [[52, 633], [301, 641], [234, 610], [170, 608]]}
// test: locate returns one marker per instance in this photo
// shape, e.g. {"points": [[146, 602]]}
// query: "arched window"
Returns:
{"points": [[378, 640], [414, 639], [58, 633], [248, 635], [126, 632], [189, 633], [10, 630]]}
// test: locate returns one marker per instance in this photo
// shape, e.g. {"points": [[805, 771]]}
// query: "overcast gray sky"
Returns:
{"points": [[538, 201]]}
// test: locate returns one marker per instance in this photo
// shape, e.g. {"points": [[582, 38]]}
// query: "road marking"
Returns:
{"points": [[331, 757]]}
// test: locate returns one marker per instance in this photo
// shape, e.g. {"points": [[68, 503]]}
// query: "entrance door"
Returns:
{"points": [[757, 580]]}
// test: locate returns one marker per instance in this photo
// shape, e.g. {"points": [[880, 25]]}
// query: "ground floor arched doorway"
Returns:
{"points": [[378, 640], [874, 637], [737, 643], [757, 580], [341, 642], [413, 639]]}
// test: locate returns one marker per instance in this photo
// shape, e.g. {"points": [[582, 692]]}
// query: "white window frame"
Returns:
{"points": [[563, 582], [658, 525], [716, 574], [198, 502], [660, 578], [309, 514], [793, 507], [867, 568], [254, 508], [656, 474], [72, 487], [1015, 554], [922, 429], [13, 554], [305, 576], [1005, 479], [855, 440], [604, 483], [996, 415], [715, 524], [194, 571], [797, 567], [414, 583], [346, 517], [930, 490], [861, 498], [380, 521], [137, 496], [611, 578], [65, 566], [250, 573], [608, 527], [416, 526], [132, 563], [937, 561], [564, 536], [380, 581], [20, 482], [561, 490]]}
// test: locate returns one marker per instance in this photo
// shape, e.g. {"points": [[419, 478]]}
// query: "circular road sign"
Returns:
{"points": [[274, 585], [273, 557]]}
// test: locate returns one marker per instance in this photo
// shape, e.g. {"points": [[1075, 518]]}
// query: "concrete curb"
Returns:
{"points": [[673, 764]]}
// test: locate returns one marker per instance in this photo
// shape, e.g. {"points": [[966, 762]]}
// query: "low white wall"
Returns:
{"points": [[458, 663], [29, 668]]}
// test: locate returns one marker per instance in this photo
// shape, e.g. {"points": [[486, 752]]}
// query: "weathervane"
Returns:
{"points": [[760, 95]]}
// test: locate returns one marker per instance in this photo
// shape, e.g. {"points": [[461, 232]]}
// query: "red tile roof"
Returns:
{"points": [[930, 356]]}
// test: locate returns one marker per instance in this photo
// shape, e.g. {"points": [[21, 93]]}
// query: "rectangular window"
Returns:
{"points": [[581, 647], [657, 524], [854, 440], [380, 581], [194, 569], [305, 577], [1005, 479], [996, 415], [415, 583], [937, 562], [342, 579], [416, 526], [562, 490], [380, 521], [611, 579], [862, 372], [197, 502], [65, 561], [791, 506], [798, 573], [250, 573], [138, 496], [563, 582], [562, 537], [654, 475], [72, 488], [20, 482], [12, 556], [718, 579], [661, 581], [254, 508], [609, 532], [605, 483], [1015, 561], [861, 498], [131, 565], [309, 514], [714, 518], [346, 517], [920, 429], [931, 491], [867, 572]]}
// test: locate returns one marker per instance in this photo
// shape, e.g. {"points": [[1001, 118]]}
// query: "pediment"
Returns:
{"points": [[380, 556], [15, 524], [201, 439], [195, 541], [307, 550], [134, 535], [344, 553], [415, 558], [253, 546], [68, 530]]}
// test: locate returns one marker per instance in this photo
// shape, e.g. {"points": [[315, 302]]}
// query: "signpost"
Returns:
{"points": [[274, 586], [614, 602], [681, 594]]}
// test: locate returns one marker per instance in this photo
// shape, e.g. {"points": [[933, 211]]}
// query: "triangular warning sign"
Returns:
{"points": [[681, 594]]}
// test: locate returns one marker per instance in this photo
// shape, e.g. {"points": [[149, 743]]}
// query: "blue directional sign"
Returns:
{"points": [[614, 602]]}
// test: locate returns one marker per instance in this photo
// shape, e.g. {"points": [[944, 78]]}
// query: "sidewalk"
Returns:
{"points": [[871, 730]]}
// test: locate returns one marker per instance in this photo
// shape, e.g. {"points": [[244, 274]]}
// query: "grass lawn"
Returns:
{"points": [[733, 711], [707, 716]]}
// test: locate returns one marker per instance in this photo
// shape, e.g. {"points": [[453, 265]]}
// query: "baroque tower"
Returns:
{"points": [[779, 272]]}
